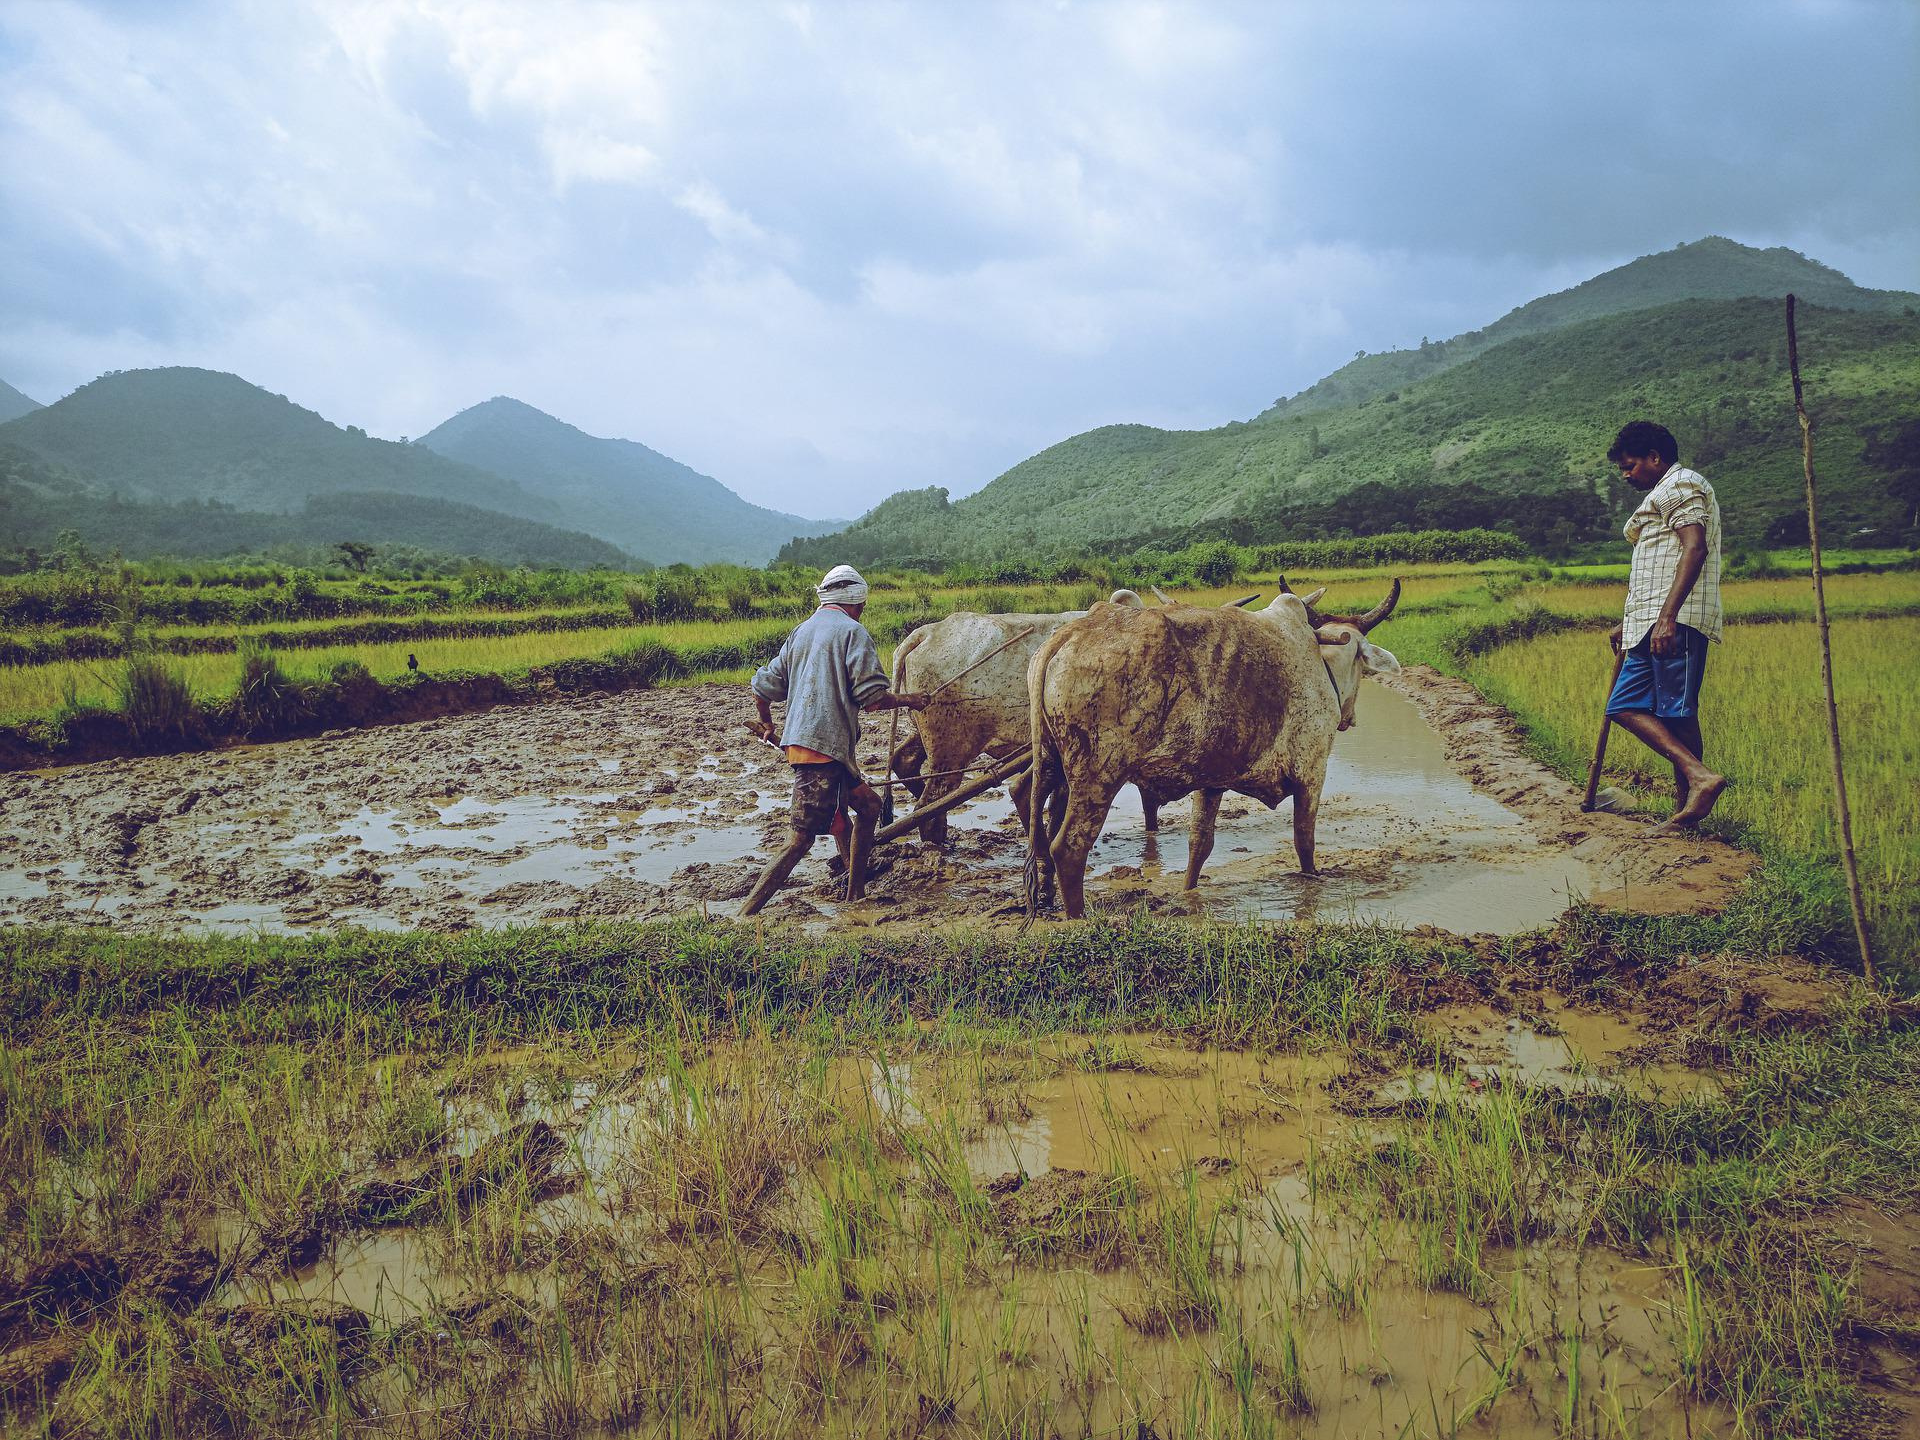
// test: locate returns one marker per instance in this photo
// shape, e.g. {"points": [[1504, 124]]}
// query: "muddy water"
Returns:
{"points": [[1322, 1287], [1402, 839], [646, 804]]}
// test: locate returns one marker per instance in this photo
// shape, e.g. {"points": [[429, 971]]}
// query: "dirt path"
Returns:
{"points": [[645, 803], [1660, 875]]}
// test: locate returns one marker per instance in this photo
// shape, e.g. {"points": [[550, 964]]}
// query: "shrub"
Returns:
{"points": [[677, 596], [157, 703], [647, 660], [740, 601], [1215, 563], [639, 600], [265, 701], [351, 691]]}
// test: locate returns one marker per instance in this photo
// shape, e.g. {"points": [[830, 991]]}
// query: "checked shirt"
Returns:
{"points": [[1683, 497]]}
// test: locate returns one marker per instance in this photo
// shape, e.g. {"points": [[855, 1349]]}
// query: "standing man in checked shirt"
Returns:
{"points": [[1672, 611]]}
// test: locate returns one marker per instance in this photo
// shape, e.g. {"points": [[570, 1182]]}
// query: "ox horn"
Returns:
{"points": [[1314, 617], [1380, 612], [1243, 602], [1160, 594]]}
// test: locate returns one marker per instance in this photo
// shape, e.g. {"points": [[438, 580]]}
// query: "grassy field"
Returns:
{"points": [[1765, 726], [1139, 1177], [30, 692]]}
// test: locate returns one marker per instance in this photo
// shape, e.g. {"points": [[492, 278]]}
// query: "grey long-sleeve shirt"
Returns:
{"points": [[826, 671]]}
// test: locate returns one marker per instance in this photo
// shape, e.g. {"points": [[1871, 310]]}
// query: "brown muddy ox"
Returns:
{"points": [[1186, 699]]}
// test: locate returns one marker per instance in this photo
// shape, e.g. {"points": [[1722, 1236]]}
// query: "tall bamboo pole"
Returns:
{"points": [[1826, 660]]}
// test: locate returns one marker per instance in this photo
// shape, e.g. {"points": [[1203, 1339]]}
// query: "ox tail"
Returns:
{"points": [[1043, 759]]}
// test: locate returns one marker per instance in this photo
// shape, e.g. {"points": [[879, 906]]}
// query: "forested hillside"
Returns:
{"points": [[642, 500], [1514, 439], [185, 434], [1711, 269], [37, 504], [13, 404]]}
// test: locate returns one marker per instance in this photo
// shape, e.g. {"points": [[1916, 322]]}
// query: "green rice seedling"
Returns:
{"points": [[1185, 1296]]}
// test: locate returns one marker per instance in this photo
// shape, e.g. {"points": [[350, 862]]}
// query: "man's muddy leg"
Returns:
{"points": [[1149, 809], [776, 873], [1703, 785]]}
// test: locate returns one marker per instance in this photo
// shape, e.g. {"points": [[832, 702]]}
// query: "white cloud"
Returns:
{"points": [[821, 251]]}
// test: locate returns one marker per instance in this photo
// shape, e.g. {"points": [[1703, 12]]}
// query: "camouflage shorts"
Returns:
{"points": [[820, 791]]}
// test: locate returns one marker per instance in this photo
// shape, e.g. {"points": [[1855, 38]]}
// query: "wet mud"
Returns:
{"points": [[1080, 1151], [1114, 1226], [651, 802]]}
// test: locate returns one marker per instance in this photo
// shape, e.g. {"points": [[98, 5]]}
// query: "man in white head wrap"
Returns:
{"points": [[827, 672]]}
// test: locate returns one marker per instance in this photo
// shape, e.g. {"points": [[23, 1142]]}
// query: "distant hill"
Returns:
{"points": [[185, 434], [1711, 269], [1514, 438], [13, 404], [36, 504], [619, 489]]}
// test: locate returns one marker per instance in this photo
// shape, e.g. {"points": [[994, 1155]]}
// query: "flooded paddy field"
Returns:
{"points": [[942, 1228], [653, 802], [1139, 1176]]}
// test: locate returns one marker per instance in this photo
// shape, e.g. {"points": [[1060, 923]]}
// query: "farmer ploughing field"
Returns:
{"points": [[827, 673]]}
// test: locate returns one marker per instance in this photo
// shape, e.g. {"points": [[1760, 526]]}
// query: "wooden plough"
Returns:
{"points": [[1001, 772]]}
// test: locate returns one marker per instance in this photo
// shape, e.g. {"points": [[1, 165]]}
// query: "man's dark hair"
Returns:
{"points": [[1643, 437]]}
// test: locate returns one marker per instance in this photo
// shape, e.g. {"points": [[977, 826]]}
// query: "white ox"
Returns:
{"points": [[1183, 699], [984, 713]]}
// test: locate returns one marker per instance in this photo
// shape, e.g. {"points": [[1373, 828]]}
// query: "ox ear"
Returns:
{"points": [[1377, 661]]}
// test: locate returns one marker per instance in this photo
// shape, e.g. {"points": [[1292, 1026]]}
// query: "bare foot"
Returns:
{"points": [[1700, 800]]}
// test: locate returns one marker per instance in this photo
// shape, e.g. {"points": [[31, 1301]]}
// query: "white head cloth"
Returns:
{"points": [[842, 585]]}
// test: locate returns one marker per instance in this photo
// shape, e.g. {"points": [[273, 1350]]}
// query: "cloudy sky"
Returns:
{"points": [[824, 251]]}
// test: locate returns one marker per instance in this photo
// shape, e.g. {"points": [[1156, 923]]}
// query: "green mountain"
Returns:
{"points": [[183, 434], [1514, 439], [1447, 434], [36, 504], [1711, 269], [636, 497], [13, 404]]}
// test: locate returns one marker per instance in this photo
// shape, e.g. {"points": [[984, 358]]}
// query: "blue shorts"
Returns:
{"points": [[1664, 685]]}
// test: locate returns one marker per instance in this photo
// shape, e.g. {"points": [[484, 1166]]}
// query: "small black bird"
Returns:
{"points": [[412, 664]]}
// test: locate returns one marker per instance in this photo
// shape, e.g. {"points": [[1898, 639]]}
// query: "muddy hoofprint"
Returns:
{"points": [[651, 802]]}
